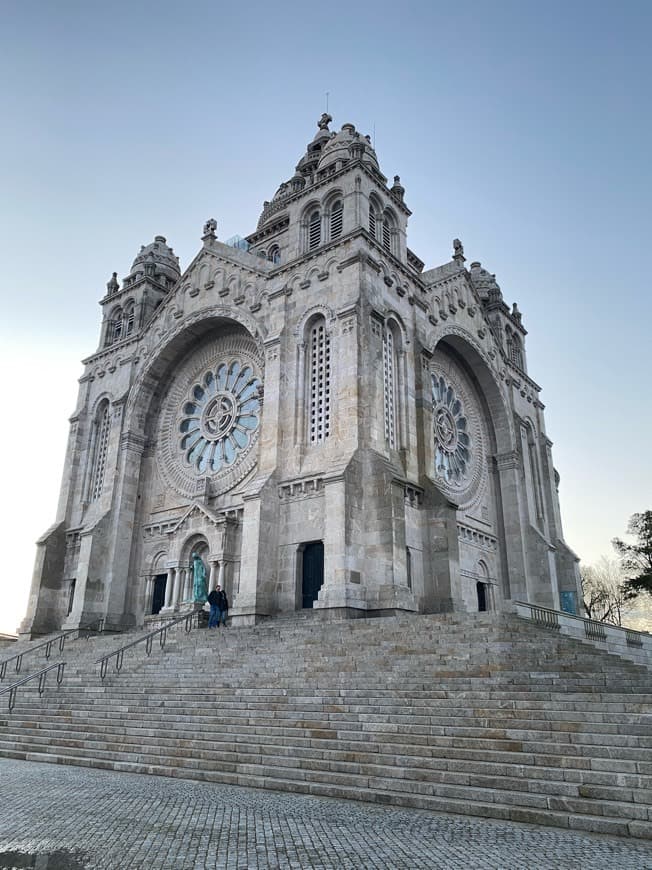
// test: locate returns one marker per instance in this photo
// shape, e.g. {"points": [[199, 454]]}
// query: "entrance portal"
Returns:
{"points": [[482, 596], [312, 577], [158, 597]]}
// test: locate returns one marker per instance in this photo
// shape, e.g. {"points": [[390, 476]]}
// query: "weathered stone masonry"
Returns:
{"points": [[325, 421]]}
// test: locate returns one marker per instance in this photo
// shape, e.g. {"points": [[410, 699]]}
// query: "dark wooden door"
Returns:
{"points": [[158, 598], [313, 572]]}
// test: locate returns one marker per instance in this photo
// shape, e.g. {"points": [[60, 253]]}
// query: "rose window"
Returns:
{"points": [[453, 453], [219, 417]]}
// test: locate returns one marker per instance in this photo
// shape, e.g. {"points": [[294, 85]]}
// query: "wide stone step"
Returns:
{"points": [[487, 715], [565, 816], [217, 716], [549, 779], [216, 704], [614, 802]]}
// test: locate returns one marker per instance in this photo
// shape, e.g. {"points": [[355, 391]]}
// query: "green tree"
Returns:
{"points": [[603, 591], [636, 559]]}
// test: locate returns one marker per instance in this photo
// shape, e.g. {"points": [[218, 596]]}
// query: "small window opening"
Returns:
{"points": [[336, 220], [314, 231]]}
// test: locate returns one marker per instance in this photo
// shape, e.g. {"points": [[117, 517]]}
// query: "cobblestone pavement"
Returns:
{"points": [[68, 818]]}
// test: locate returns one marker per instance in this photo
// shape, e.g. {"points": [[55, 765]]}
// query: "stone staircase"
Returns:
{"points": [[481, 714]]}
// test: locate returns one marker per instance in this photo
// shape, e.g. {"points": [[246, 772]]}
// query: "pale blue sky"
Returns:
{"points": [[522, 128]]}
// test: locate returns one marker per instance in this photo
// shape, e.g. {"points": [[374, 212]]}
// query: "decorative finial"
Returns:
{"points": [[397, 188], [113, 286], [324, 121], [458, 251], [209, 229], [516, 314]]}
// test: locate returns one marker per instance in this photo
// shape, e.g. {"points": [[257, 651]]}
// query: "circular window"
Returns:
{"points": [[219, 416], [457, 432], [453, 451], [210, 419]]}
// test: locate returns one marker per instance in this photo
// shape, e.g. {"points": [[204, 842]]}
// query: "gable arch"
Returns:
{"points": [[311, 315], [476, 361], [176, 345]]}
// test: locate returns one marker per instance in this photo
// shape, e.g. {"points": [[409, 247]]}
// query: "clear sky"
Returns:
{"points": [[522, 128]]}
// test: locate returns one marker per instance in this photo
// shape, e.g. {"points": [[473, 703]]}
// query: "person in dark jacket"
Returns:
{"points": [[222, 606], [214, 615]]}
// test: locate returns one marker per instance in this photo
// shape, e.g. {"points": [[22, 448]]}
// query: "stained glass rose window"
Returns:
{"points": [[453, 446], [219, 416]]}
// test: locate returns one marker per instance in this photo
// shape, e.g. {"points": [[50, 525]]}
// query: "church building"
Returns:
{"points": [[322, 420]]}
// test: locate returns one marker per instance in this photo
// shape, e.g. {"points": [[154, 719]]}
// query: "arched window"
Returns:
{"points": [[532, 474], [390, 372], [114, 332], [388, 231], [513, 347], [274, 254], [129, 318], [372, 220], [515, 352], [319, 401], [314, 230], [100, 444], [336, 216]]}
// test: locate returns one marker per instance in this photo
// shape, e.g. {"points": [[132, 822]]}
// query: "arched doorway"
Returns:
{"points": [[158, 593], [312, 572]]}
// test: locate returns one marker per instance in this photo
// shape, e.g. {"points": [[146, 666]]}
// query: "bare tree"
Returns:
{"points": [[603, 590], [636, 559]]}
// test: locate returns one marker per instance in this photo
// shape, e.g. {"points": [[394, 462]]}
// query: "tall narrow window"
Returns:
{"points": [[320, 376], [387, 236], [372, 221], [71, 596], [274, 254], [389, 386], [336, 220], [129, 319], [314, 231], [515, 353], [116, 326], [100, 447]]}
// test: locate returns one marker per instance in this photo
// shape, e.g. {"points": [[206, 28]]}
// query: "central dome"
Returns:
{"points": [[326, 149], [347, 145]]}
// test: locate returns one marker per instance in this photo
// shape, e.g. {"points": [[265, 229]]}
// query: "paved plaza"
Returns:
{"points": [[69, 818]]}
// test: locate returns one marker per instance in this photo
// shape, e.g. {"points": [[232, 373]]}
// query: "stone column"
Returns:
{"points": [[516, 567], [149, 584], [300, 398], [120, 533], [178, 583], [211, 573], [169, 584], [220, 574]]}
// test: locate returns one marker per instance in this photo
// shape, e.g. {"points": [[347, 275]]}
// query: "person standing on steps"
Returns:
{"points": [[214, 615], [222, 606]]}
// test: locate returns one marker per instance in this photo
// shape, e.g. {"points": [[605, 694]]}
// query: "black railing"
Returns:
{"points": [[47, 645], [42, 676], [148, 640]]}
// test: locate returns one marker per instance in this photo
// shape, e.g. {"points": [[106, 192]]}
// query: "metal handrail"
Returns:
{"points": [[148, 639], [48, 644], [42, 675]]}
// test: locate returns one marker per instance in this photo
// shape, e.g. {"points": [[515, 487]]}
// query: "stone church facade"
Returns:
{"points": [[324, 421]]}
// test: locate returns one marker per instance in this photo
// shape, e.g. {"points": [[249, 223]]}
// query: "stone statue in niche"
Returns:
{"points": [[199, 583]]}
